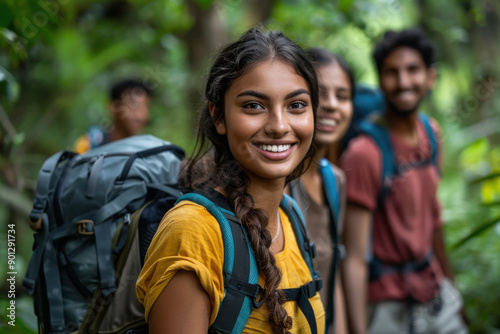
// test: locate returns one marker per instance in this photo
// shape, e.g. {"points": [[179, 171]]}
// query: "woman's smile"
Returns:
{"points": [[275, 151]]}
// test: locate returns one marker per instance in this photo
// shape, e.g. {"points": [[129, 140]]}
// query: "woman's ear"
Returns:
{"points": [[220, 125]]}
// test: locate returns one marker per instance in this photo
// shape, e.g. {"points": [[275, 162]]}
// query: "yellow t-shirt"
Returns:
{"points": [[189, 238]]}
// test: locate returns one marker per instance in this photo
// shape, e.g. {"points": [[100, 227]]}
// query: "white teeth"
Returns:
{"points": [[406, 93], [275, 148], [327, 122]]}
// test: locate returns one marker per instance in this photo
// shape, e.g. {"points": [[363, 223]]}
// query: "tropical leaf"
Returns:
{"points": [[476, 232]]}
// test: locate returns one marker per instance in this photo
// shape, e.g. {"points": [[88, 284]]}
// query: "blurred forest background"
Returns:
{"points": [[58, 58]]}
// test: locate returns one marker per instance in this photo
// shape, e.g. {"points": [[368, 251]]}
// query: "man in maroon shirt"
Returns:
{"points": [[413, 293]]}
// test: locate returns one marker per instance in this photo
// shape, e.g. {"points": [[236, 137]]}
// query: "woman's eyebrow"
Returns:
{"points": [[254, 94], [265, 97], [297, 92]]}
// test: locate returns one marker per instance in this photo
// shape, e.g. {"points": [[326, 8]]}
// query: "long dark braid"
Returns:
{"points": [[218, 166]]}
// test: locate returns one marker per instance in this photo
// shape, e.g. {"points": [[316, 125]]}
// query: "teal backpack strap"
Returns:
{"points": [[389, 169], [307, 248], [432, 140], [308, 251], [381, 137], [331, 191], [241, 289]]}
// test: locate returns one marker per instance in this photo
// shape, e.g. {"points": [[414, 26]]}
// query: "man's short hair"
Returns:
{"points": [[414, 38], [118, 89]]}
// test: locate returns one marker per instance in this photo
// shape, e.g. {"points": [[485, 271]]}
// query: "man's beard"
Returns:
{"points": [[402, 112]]}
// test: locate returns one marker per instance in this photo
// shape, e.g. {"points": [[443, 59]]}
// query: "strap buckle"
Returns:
{"points": [[309, 289], [340, 248], [258, 303], [85, 227], [36, 225]]}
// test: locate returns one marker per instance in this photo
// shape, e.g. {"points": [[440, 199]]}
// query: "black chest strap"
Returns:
{"points": [[301, 296]]}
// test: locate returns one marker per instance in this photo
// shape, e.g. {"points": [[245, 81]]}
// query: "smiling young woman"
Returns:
{"points": [[254, 136]]}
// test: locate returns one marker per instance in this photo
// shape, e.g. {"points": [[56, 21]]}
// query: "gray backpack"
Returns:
{"points": [[87, 250]]}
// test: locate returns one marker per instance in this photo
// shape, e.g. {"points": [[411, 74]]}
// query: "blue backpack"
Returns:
{"points": [[368, 103], [331, 191]]}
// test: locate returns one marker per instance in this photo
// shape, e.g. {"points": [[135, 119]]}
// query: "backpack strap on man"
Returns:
{"points": [[241, 289], [432, 140], [381, 137], [308, 251]]}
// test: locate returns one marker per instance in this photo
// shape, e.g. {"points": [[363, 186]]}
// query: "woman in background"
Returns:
{"points": [[322, 201]]}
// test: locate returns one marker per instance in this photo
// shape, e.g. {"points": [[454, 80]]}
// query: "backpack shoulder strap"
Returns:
{"points": [[331, 191], [432, 140], [240, 269], [308, 251], [381, 137], [307, 248]]}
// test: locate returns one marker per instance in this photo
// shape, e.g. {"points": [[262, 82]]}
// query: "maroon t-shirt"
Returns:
{"points": [[403, 229]]}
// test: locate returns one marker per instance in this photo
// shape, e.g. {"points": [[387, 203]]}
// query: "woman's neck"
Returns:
{"points": [[267, 195], [321, 152]]}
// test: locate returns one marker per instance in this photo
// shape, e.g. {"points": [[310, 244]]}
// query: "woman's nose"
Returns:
{"points": [[277, 123], [329, 103]]}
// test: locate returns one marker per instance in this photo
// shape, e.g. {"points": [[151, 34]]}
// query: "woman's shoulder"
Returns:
{"points": [[189, 220], [337, 172]]}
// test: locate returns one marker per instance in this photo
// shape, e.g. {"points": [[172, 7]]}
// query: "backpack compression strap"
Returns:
{"points": [[331, 191], [308, 251], [240, 276], [39, 221], [38, 216]]}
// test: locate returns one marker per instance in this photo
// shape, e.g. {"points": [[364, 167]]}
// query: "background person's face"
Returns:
{"points": [[405, 80], [269, 120], [131, 113], [335, 104]]}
